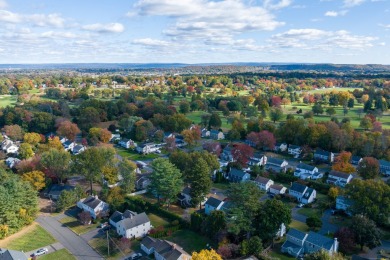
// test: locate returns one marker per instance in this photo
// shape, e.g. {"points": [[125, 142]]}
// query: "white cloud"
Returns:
{"points": [[387, 26], [335, 14], [206, 19], [148, 42], [54, 35], [54, 20], [351, 3], [320, 39], [276, 4], [3, 4], [105, 28], [10, 17]]}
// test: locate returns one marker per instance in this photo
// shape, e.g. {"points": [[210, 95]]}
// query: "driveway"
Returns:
{"points": [[327, 227], [51, 248], [296, 216], [75, 244]]}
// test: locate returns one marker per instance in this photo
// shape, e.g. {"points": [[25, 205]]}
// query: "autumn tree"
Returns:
{"points": [[366, 232], [85, 217], [206, 255], [324, 255], [25, 151], [56, 163], [346, 239], [276, 114], [124, 243], [333, 193], [341, 163], [191, 136], [126, 169], [32, 138], [213, 148], [14, 132], [242, 153], [368, 168], [36, 179], [68, 129], [366, 123]]}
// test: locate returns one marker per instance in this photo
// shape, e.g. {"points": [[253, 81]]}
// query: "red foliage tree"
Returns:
{"points": [[276, 101], [346, 238], [213, 147], [267, 140], [241, 153], [377, 126], [67, 129], [85, 217], [368, 168]]}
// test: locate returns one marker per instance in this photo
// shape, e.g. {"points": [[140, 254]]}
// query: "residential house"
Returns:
{"points": [[115, 137], [323, 156], [169, 135], [127, 143], [258, 159], [94, 206], [11, 162], [68, 145], [205, 133], [8, 254], [147, 148], [344, 203], [236, 175], [277, 165], [305, 171], [78, 148], [263, 183], [142, 182], [212, 204], [63, 139], [299, 243], [163, 249], [277, 189], [185, 197], [280, 147], [294, 150], [226, 154], [129, 224], [302, 193], [55, 190], [339, 178], [384, 167], [355, 160], [281, 231], [9, 147], [217, 135]]}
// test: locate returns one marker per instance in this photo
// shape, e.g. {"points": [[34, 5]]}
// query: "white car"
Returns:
{"points": [[41, 251]]}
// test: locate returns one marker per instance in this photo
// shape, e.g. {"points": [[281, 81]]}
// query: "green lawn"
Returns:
{"points": [[309, 212], [6, 100], [76, 226], [222, 186], [189, 241], [61, 254], [280, 256], [36, 238], [134, 155], [100, 245], [299, 225], [157, 221]]}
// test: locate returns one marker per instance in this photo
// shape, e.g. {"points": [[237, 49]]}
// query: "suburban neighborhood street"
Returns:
{"points": [[75, 244]]}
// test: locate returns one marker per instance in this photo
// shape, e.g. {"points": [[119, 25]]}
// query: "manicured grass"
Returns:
{"points": [[76, 226], [61, 254], [221, 186], [36, 238], [157, 221], [6, 100], [189, 241], [299, 225], [326, 90], [280, 256], [309, 212], [134, 155], [100, 245]]}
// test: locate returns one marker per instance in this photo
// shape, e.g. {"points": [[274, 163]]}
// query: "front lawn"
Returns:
{"points": [[157, 221], [221, 186], [299, 225], [34, 239], [112, 253], [132, 155], [76, 226], [280, 256], [309, 212], [189, 240], [61, 254]]}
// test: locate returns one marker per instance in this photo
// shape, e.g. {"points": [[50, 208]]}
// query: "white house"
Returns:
{"points": [[216, 135], [94, 206], [302, 193], [78, 148], [323, 156], [305, 171], [277, 189], [258, 159], [339, 178], [212, 204], [280, 147], [11, 162], [163, 249], [263, 183], [147, 148], [294, 150], [127, 143], [8, 146], [115, 137], [130, 224], [205, 133], [277, 165], [68, 145]]}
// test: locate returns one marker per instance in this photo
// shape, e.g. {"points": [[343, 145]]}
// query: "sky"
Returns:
{"points": [[195, 31]]}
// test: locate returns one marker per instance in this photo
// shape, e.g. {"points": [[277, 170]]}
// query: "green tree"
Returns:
{"points": [[215, 222], [366, 232], [276, 114], [69, 198], [272, 214], [251, 246], [184, 107], [314, 222], [57, 163], [90, 163], [126, 169], [165, 180], [368, 168], [196, 221], [200, 180], [25, 151], [330, 111], [324, 255], [215, 121], [317, 109], [366, 123]]}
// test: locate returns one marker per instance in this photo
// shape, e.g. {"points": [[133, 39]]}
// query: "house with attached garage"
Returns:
{"points": [[55, 190], [305, 171], [212, 204], [130, 224], [277, 189], [127, 143], [294, 150], [277, 165], [258, 159], [384, 167], [323, 156], [8, 146], [355, 160], [217, 135], [299, 243], [302, 193], [94, 206], [8, 254], [263, 183], [280, 147], [163, 249], [339, 178], [68, 145], [236, 175]]}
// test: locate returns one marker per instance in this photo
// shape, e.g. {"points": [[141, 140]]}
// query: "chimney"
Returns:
{"points": [[336, 245]]}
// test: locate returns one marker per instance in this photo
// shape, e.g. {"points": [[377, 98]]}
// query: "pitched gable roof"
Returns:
{"points": [[298, 187], [213, 202], [319, 240], [276, 187], [274, 161], [7, 254], [237, 173], [322, 152], [262, 180], [296, 234], [135, 221], [305, 166], [92, 202], [339, 174]]}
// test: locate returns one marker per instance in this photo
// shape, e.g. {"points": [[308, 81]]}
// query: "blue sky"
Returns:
{"points": [[195, 31]]}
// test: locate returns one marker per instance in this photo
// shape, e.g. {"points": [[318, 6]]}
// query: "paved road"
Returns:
{"points": [[373, 253], [75, 244], [327, 227], [51, 248], [296, 216]]}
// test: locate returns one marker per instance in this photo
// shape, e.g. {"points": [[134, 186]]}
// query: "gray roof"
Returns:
{"points": [[275, 161], [7, 254], [135, 221], [309, 192], [298, 187], [355, 158], [262, 180], [148, 241], [92, 202], [384, 163], [339, 174], [237, 173], [213, 202], [291, 146], [55, 189], [215, 132], [277, 187], [321, 152], [295, 248], [296, 234], [305, 166], [116, 217], [168, 250], [77, 148], [319, 240], [186, 190]]}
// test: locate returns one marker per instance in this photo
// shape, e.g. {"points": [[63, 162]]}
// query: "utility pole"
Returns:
{"points": [[108, 245]]}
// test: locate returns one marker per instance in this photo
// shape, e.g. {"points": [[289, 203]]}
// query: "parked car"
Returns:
{"points": [[135, 256], [41, 251], [300, 205], [105, 224]]}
